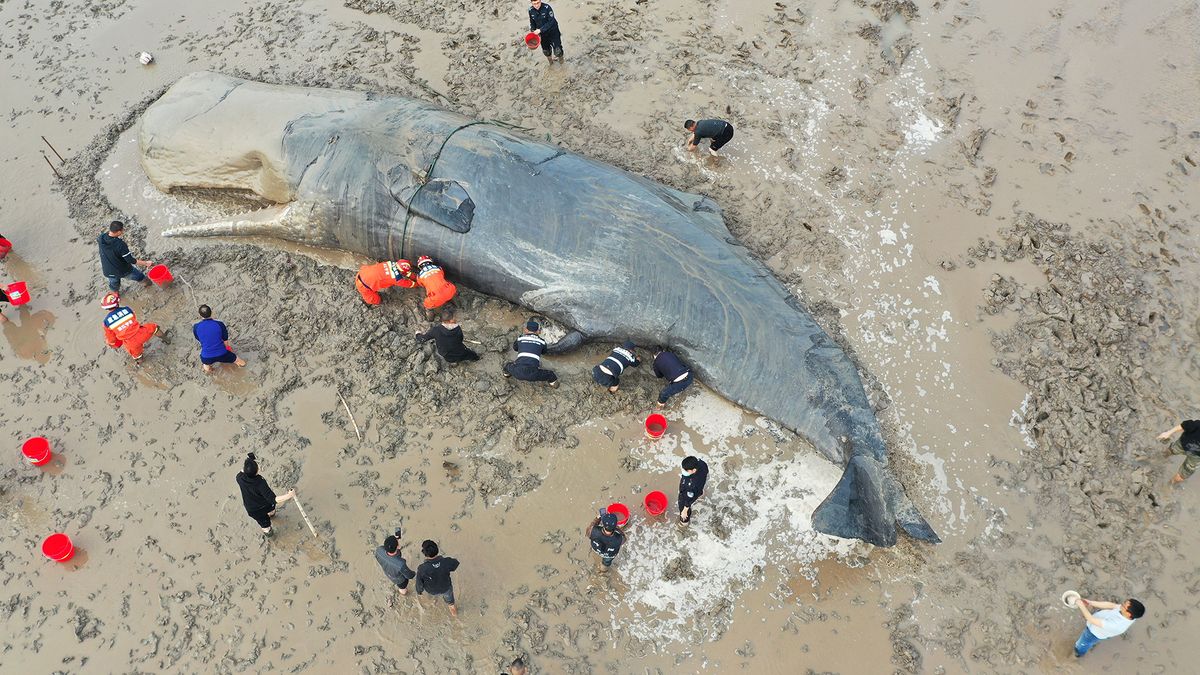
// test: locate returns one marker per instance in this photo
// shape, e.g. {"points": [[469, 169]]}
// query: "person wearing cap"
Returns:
{"points": [[432, 278], [448, 336], [258, 497], [213, 337], [606, 537], [116, 262], [691, 485], [380, 276], [395, 567], [528, 364], [121, 327], [433, 575], [668, 366], [543, 23], [720, 131], [608, 372]]}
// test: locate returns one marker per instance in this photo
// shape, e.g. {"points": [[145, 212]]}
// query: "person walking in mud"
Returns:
{"points": [[258, 498], [608, 372], [448, 337], [213, 337], [606, 537], [543, 23], [528, 364], [691, 486], [719, 131], [433, 575], [1111, 621], [116, 261], [1188, 445], [395, 567], [667, 366]]}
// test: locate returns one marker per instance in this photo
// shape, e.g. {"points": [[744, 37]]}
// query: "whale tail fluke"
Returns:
{"points": [[867, 503]]}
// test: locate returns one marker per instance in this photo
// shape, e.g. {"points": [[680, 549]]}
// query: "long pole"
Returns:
{"points": [[304, 516], [351, 415], [60, 157]]}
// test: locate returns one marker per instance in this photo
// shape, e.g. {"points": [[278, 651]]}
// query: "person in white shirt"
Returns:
{"points": [[1110, 621]]}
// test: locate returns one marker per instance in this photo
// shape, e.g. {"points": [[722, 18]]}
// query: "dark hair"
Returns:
{"points": [[430, 548], [205, 311], [116, 226], [1136, 608], [250, 467], [391, 544], [517, 663], [448, 313], [689, 124], [659, 349], [690, 462]]}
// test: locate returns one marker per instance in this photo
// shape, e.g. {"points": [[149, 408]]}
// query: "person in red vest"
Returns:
{"points": [[121, 327], [374, 278], [438, 291]]}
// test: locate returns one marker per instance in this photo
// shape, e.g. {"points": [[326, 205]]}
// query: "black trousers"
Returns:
{"points": [[724, 138], [552, 44]]}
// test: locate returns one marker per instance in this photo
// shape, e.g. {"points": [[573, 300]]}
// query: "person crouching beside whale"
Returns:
{"points": [[608, 372], [374, 278], [528, 364], [438, 291], [668, 366], [121, 327]]}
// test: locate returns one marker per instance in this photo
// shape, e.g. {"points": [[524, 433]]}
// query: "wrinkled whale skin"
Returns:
{"points": [[607, 253]]}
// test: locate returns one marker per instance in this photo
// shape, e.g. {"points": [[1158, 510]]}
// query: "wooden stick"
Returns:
{"points": [[304, 516], [60, 157], [351, 415], [56, 173], [474, 342]]}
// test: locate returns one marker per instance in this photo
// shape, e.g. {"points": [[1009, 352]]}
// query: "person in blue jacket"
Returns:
{"points": [[543, 23], [213, 337]]}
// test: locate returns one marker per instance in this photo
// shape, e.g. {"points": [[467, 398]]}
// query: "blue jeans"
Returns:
{"points": [[673, 388], [1085, 642], [114, 282]]}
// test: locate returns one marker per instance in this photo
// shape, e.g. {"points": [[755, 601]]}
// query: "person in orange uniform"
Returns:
{"points": [[374, 278], [438, 291], [121, 327]]}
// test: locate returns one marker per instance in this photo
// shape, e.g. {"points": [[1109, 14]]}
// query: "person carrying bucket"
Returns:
{"points": [[121, 327], [608, 372], [691, 485], [432, 278], [543, 24], [213, 337], [258, 498], [668, 366], [528, 364], [606, 537], [374, 278], [116, 262]]}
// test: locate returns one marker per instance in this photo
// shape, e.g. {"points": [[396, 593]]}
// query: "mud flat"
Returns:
{"points": [[993, 208]]}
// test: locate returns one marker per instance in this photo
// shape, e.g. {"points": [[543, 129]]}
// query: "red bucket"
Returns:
{"points": [[621, 510], [532, 40], [160, 275], [18, 293], [656, 426], [37, 450], [58, 547], [656, 503]]}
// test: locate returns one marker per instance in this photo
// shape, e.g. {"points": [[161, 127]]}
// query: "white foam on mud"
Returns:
{"points": [[712, 417]]}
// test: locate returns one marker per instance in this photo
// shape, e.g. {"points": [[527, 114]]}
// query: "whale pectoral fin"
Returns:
{"points": [[445, 202], [567, 343], [867, 504]]}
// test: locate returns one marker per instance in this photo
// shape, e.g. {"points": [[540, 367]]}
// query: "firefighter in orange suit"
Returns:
{"points": [[121, 327], [438, 291], [374, 278]]}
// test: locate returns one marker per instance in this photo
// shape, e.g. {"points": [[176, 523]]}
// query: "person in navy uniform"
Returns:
{"points": [[543, 23], [691, 485], [668, 366], [528, 364], [608, 372]]}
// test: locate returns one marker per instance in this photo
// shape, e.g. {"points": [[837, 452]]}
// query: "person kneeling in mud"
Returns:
{"points": [[448, 336], [668, 366], [528, 364], [608, 372], [606, 537], [258, 498], [121, 327]]}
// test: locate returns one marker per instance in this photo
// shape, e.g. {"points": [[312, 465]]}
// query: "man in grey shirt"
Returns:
{"points": [[720, 131], [393, 564]]}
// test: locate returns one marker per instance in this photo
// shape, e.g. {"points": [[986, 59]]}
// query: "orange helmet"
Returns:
{"points": [[424, 259], [110, 301]]}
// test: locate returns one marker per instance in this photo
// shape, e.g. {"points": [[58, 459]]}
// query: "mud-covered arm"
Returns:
{"points": [[424, 337], [568, 342]]}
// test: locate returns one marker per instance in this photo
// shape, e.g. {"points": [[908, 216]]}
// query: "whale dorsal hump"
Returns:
{"points": [[442, 201]]}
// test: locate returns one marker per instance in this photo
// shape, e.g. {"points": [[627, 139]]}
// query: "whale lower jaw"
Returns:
{"points": [[271, 221]]}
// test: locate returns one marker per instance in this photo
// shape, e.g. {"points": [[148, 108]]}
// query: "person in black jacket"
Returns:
{"points": [[116, 262], [608, 372], [258, 498], [691, 485], [720, 131], [606, 537], [395, 567], [528, 364], [542, 22], [448, 336], [433, 575], [668, 366]]}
